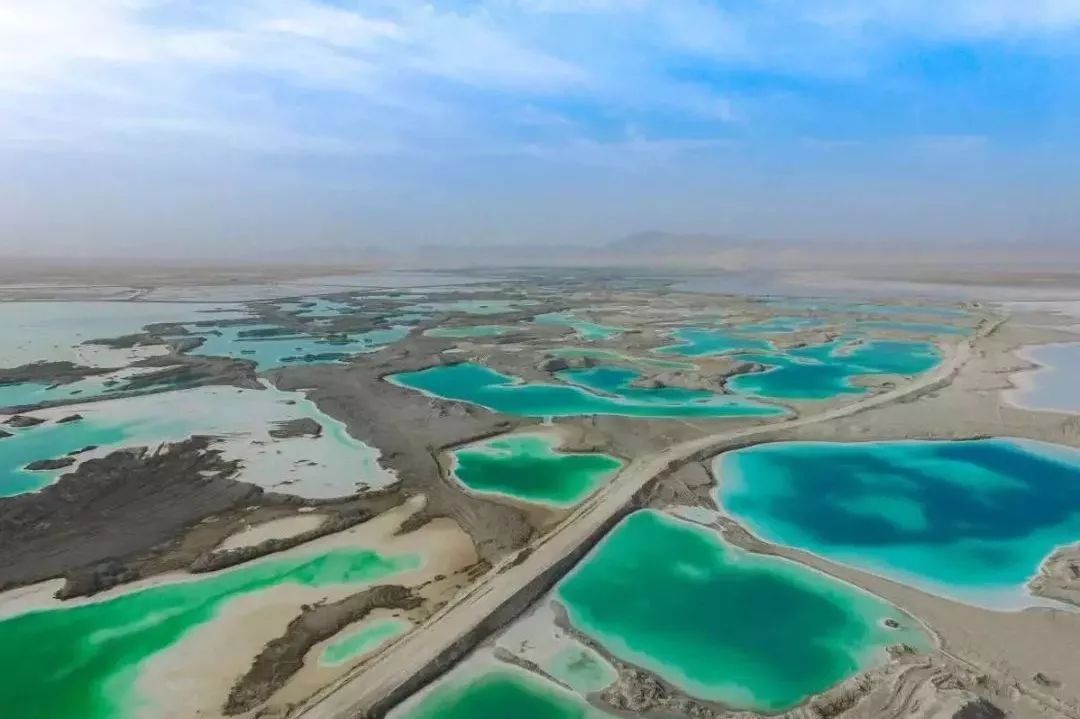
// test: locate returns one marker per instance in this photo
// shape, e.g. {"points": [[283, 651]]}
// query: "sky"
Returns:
{"points": [[205, 128]]}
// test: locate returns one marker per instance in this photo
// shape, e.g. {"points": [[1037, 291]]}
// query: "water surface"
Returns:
{"points": [[84, 661], [468, 382], [698, 342], [362, 641], [750, 631], [274, 351], [498, 693], [1053, 386], [529, 467], [585, 330], [334, 464], [971, 520], [828, 370]]}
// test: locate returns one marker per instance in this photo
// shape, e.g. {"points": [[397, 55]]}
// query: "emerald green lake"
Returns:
{"points": [[750, 631], [970, 520], [529, 467], [483, 386], [84, 661], [499, 693], [362, 641]]}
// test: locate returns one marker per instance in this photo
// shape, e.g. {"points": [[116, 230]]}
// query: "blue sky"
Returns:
{"points": [[148, 125]]}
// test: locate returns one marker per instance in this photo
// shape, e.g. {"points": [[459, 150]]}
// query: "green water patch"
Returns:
{"points": [[274, 351], [528, 467], [828, 370], [467, 332], [84, 661], [483, 386], [362, 641], [749, 631], [499, 693], [585, 330], [698, 342], [970, 520]]}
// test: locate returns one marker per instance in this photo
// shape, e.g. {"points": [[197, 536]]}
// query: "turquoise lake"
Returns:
{"points": [[697, 342], [479, 385], [826, 371], [970, 520], [48, 441], [749, 631]]}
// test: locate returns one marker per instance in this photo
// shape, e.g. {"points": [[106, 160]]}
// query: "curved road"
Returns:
{"points": [[367, 689]]}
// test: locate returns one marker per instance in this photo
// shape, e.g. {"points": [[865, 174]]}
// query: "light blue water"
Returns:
{"points": [[30, 393], [55, 331], [697, 342], [585, 330], [826, 371], [1052, 387], [487, 388], [49, 441], [274, 352], [971, 520]]}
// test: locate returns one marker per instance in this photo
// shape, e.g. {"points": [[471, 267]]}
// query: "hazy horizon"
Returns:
{"points": [[276, 128]]}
